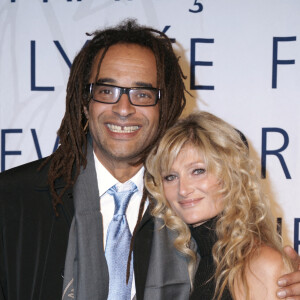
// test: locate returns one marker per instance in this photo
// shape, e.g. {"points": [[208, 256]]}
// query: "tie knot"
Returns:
{"points": [[122, 195]]}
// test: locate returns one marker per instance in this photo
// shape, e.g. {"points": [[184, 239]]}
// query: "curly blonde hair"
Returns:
{"points": [[246, 221]]}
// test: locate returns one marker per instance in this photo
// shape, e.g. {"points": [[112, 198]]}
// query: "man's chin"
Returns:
{"points": [[121, 155]]}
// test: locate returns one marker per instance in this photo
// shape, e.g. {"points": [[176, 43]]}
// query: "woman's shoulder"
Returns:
{"points": [[265, 266], [267, 260]]}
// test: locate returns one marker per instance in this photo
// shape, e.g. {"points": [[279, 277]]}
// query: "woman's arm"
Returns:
{"points": [[265, 267]]}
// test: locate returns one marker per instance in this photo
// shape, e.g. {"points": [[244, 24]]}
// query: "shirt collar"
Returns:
{"points": [[107, 180]]}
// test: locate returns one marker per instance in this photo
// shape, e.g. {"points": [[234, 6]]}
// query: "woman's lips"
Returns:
{"points": [[189, 202]]}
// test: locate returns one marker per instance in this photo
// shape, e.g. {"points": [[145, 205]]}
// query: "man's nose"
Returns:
{"points": [[123, 107]]}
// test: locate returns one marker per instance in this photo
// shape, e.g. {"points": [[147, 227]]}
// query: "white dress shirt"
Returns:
{"points": [[107, 205]]}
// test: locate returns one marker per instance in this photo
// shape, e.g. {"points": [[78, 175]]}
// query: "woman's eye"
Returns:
{"points": [[198, 171], [170, 177]]}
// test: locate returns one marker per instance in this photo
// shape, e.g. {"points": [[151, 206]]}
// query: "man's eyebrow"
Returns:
{"points": [[106, 80], [142, 84]]}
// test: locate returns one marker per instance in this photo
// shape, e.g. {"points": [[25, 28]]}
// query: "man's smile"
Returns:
{"points": [[122, 129]]}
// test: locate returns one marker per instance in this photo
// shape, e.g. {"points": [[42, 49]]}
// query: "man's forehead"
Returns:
{"points": [[125, 61]]}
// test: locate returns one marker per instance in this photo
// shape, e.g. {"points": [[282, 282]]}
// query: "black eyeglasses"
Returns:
{"points": [[110, 94]]}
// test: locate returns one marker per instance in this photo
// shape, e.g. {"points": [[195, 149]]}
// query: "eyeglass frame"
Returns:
{"points": [[123, 90]]}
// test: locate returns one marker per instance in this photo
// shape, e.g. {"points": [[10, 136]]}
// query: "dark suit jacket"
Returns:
{"points": [[33, 241]]}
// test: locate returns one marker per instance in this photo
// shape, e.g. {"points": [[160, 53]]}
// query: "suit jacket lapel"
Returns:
{"points": [[142, 251], [67, 207]]}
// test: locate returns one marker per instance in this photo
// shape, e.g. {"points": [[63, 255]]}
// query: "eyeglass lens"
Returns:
{"points": [[111, 94]]}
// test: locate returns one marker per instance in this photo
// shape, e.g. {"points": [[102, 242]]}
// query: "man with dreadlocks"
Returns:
{"points": [[66, 222]]}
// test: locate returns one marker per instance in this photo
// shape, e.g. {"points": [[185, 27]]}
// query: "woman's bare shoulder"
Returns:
{"points": [[267, 261], [265, 267]]}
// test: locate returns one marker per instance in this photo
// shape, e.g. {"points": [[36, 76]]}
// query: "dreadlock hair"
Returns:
{"points": [[65, 163]]}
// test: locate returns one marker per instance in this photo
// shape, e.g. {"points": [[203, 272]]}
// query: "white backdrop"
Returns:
{"points": [[241, 59]]}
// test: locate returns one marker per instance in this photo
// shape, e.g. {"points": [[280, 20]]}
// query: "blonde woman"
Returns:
{"points": [[206, 187]]}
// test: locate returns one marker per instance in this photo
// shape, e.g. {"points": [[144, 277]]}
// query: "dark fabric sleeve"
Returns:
{"points": [[2, 268], [2, 293], [1, 275]]}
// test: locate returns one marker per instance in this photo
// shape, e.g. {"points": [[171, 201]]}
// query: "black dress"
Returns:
{"points": [[205, 237]]}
